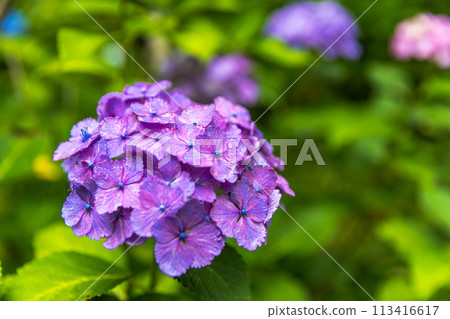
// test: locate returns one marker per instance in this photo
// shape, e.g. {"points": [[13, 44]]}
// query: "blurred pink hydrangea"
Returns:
{"points": [[423, 37]]}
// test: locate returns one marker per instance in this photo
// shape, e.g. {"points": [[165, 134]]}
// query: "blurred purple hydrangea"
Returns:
{"points": [[423, 37], [316, 25], [228, 76], [152, 166]]}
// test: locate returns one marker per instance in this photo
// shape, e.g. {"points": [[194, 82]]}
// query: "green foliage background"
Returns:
{"points": [[380, 206]]}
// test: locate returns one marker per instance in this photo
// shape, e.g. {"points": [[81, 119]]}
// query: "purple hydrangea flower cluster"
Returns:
{"points": [[228, 76], [156, 164], [316, 25], [423, 37]]}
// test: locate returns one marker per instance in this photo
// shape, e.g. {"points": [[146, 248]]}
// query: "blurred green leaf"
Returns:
{"points": [[79, 52], [200, 38], [44, 244], [428, 261], [282, 288], [277, 52], [225, 279], [1, 279], [63, 276]]}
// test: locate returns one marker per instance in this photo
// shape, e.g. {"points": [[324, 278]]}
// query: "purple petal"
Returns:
{"points": [[83, 226], [102, 225], [205, 241], [273, 203], [111, 105], [73, 209], [249, 234], [174, 258], [263, 178], [225, 214], [108, 200]]}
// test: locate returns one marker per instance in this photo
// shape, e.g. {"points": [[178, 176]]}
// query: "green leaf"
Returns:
{"points": [[225, 279], [277, 52], [79, 52], [1, 279], [201, 38], [59, 237], [63, 276]]}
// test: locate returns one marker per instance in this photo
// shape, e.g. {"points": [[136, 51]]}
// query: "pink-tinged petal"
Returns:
{"points": [[184, 183], [106, 174], [273, 203], [66, 149], [131, 196], [205, 241], [73, 209], [283, 184], [225, 214], [249, 234], [89, 124], [143, 220], [83, 226], [198, 115], [111, 105], [151, 192], [204, 194], [141, 109], [173, 258], [234, 113], [111, 128], [224, 171], [108, 200], [116, 147], [102, 225], [132, 174]]}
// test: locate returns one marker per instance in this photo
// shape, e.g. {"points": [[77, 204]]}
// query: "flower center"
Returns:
{"points": [[190, 145], [234, 114], [116, 213], [162, 207], [195, 123], [243, 212], [216, 153], [87, 207], [85, 134], [154, 113], [168, 183], [123, 135], [182, 236], [257, 189], [197, 182], [207, 218], [90, 165], [144, 90], [250, 167], [120, 185]]}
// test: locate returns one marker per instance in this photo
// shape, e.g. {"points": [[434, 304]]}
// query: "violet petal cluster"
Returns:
{"points": [[228, 76], [423, 37], [316, 25], [156, 164]]}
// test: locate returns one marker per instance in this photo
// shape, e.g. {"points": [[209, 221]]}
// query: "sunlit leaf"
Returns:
{"points": [[63, 276]]}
